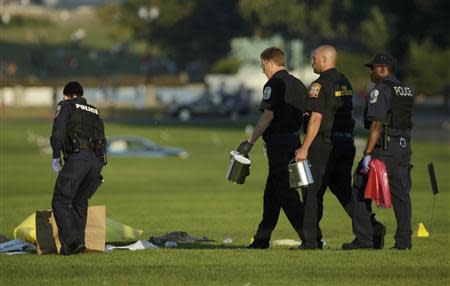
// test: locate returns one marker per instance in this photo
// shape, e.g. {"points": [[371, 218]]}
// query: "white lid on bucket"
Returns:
{"points": [[241, 159]]}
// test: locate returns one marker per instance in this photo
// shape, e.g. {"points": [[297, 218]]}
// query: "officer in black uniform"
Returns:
{"points": [[388, 116], [329, 146], [78, 133], [282, 107]]}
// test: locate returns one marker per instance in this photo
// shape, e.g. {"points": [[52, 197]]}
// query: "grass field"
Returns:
{"points": [[163, 195]]}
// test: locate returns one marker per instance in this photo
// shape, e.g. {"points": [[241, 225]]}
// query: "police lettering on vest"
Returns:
{"points": [[402, 100], [87, 108]]}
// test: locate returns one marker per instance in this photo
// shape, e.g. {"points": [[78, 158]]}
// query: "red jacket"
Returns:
{"points": [[377, 187]]}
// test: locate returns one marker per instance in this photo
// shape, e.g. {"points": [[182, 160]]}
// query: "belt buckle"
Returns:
{"points": [[402, 142]]}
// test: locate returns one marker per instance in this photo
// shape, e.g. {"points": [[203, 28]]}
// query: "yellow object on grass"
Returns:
{"points": [[115, 231], [422, 231]]}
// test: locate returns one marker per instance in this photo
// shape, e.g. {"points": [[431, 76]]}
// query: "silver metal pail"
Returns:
{"points": [[300, 174], [239, 168]]}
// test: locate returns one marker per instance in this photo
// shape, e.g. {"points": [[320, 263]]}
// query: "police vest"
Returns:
{"points": [[84, 130], [402, 100]]}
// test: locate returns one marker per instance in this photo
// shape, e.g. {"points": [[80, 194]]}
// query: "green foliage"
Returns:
{"points": [[351, 64], [275, 16], [111, 16], [375, 32], [26, 21], [226, 66], [428, 67]]}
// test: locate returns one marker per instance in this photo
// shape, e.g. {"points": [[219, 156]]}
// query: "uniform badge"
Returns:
{"points": [[58, 108], [266, 93], [373, 96], [314, 90]]}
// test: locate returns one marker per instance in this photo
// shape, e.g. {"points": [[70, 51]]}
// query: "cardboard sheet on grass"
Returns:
{"points": [[47, 239], [115, 231]]}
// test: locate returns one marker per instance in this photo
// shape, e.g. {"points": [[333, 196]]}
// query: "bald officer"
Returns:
{"points": [[330, 149]]}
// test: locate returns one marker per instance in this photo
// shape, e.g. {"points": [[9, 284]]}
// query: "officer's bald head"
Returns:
{"points": [[324, 58]]}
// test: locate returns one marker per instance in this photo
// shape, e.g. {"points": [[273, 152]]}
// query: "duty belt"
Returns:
{"points": [[84, 146], [402, 140], [343, 134]]}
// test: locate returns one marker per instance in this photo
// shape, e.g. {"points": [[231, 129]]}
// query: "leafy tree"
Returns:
{"points": [[185, 30], [375, 31], [428, 67]]}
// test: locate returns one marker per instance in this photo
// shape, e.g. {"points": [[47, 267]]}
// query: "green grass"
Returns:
{"points": [[163, 195], [19, 42]]}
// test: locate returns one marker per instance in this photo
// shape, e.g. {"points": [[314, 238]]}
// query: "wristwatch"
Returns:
{"points": [[367, 153]]}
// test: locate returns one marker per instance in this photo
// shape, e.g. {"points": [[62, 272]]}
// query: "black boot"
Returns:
{"points": [[259, 244], [74, 248], [379, 231], [357, 244]]}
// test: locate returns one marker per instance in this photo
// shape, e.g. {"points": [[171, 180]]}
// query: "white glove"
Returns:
{"points": [[55, 165], [366, 163]]}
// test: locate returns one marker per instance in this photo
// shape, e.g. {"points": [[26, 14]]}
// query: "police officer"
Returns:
{"points": [[329, 146], [78, 133], [282, 107], [388, 116]]}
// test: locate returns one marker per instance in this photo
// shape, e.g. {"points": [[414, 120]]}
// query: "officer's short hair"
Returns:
{"points": [[73, 88], [275, 54]]}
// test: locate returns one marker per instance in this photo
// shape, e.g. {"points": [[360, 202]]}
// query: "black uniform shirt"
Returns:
{"points": [[321, 98], [62, 117], [378, 101], [284, 95]]}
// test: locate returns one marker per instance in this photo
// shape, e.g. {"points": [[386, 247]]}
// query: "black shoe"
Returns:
{"points": [[356, 244], [79, 248], [379, 231], [396, 247], [258, 244], [74, 248]]}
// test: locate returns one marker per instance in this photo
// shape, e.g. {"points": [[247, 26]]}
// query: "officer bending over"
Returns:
{"points": [[388, 116], [78, 133], [282, 107]]}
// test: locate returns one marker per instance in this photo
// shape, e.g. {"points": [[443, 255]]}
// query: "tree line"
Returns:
{"points": [[413, 31]]}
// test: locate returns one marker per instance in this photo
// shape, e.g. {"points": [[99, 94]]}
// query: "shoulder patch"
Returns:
{"points": [[266, 93], [314, 90], [373, 96], [58, 108]]}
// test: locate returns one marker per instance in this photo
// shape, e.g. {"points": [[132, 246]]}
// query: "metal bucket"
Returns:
{"points": [[300, 174], [239, 168]]}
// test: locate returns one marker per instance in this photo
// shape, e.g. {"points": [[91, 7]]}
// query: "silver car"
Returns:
{"points": [[134, 146]]}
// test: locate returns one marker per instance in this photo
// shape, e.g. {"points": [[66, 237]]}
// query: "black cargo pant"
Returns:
{"points": [[397, 159], [278, 194], [76, 183], [338, 176]]}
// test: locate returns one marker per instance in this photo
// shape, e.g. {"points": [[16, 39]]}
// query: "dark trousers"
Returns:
{"points": [[278, 194], [397, 159], [339, 175], [76, 183], [331, 166]]}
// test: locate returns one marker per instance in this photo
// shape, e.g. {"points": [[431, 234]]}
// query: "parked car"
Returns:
{"points": [[232, 106], [133, 146]]}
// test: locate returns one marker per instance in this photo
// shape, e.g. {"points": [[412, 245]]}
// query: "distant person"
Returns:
{"points": [[282, 107], [78, 133], [329, 146], [388, 116]]}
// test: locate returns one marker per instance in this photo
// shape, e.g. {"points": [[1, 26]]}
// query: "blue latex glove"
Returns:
{"points": [[55, 165], [366, 162]]}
